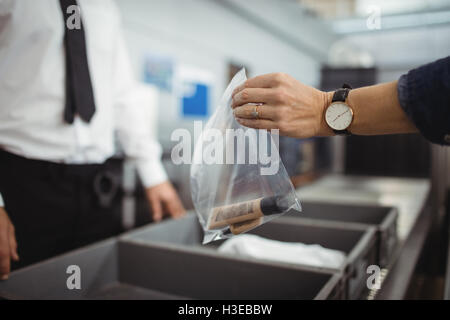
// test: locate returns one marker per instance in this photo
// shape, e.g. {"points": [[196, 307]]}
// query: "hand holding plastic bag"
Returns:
{"points": [[238, 181]]}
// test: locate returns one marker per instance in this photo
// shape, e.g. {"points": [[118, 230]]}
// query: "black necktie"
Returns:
{"points": [[79, 93]]}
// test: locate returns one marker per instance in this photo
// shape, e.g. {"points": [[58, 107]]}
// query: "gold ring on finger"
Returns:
{"points": [[255, 113]]}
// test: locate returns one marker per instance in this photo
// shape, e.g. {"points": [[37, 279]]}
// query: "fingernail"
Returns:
{"points": [[4, 277]]}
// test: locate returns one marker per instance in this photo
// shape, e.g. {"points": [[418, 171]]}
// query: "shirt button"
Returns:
{"points": [[447, 138]]}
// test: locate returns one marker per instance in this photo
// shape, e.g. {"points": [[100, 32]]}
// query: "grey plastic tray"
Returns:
{"points": [[122, 270], [383, 218], [359, 245]]}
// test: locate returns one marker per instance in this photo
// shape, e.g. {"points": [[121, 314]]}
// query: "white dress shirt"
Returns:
{"points": [[32, 89]]}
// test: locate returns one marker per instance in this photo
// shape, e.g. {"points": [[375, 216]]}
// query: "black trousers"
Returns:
{"points": [[54, 207]]}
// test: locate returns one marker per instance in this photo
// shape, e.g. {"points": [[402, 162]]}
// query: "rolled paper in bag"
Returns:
{"points": [[241, 227], [244, 211]]}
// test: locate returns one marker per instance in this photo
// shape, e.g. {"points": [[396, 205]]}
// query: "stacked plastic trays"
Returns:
{"points": [[359, 246], [168, 261], [133, 269], [382, 218]]}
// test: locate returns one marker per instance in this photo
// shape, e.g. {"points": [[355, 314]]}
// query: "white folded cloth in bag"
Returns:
{"points": [[249, 245]]}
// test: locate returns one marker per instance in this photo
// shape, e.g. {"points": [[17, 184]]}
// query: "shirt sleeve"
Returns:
{"points": [[135, 118], [2, 204], [424, 94]]}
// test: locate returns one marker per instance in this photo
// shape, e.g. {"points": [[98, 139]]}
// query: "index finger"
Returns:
{"points": [[263, 81]]}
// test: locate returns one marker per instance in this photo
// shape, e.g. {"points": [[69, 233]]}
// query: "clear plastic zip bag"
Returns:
{"points": [[238, 181]]}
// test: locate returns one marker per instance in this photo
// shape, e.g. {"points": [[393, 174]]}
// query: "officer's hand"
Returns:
{"points": [[163, 199], [8, 245]]}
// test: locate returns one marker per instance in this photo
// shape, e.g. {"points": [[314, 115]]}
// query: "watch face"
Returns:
{"points": [[339, 116]]}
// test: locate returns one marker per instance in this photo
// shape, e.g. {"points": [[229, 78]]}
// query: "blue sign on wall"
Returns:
{"points": [[196, 103]]}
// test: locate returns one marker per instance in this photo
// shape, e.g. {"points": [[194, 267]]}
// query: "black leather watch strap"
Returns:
{"points": [[341, 95], [342, 132]]}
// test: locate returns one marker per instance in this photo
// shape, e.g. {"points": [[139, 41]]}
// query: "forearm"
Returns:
{"points": [[376, 110]]}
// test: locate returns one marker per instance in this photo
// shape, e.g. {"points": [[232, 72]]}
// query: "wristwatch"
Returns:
{"points": [[339, 115]]}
